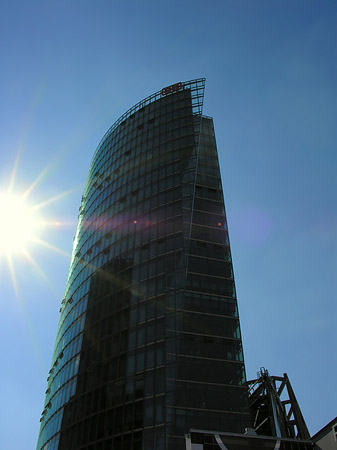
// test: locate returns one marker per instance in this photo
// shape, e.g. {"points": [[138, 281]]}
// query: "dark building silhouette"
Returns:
{"points": [[149, 345]]}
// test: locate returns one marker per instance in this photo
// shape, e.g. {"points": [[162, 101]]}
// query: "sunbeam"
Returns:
{"points": [[12, 272], [51, 247], [35, 265], [53, 199], [36, 181], [13, 174]]}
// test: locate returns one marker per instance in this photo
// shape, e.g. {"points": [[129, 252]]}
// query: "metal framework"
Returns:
{"points": [[274, 407], [196, 86], [215, 440]]}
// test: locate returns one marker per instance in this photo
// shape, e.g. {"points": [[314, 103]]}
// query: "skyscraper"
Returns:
{"points": [[149, 344]]}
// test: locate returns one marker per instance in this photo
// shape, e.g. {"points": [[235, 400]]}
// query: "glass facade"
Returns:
{"points": [[149, 344]]}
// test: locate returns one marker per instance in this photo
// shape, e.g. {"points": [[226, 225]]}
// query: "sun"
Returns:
{"points": [[20, 224]]}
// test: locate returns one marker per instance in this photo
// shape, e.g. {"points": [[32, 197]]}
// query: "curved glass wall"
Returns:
{"points": [[148, 344]]}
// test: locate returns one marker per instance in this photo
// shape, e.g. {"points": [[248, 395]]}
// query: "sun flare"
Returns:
{"points": [[20, 224]]}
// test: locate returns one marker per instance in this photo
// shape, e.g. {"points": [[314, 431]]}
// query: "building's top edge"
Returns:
{"points": [[323, 431], [198, 83]]}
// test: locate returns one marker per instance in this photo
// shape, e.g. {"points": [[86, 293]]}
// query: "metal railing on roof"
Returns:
{"points": [[197, 87]]}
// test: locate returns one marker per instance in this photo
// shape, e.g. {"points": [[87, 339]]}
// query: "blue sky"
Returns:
{"points": [[70, 69]]}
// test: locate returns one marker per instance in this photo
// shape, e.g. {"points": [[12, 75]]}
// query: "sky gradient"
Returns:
{"points": [[71, 68]]}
